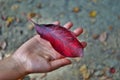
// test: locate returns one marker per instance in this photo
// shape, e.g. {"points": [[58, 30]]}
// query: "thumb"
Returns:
{"points": [[59, 63]]}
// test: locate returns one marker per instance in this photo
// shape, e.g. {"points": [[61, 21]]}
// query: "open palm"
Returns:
{"points": [[37, 54]]}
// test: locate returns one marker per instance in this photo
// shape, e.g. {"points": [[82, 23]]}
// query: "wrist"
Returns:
{"points": [[11, 68], [19, 66]]}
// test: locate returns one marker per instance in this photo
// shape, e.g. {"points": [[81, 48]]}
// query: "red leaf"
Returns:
{"points": [[62, 40]]}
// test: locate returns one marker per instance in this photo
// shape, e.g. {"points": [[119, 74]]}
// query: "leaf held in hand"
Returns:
{"points": [[61, 39]]}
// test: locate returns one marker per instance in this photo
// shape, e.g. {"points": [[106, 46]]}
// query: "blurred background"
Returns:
{"points": [[100, 20]]}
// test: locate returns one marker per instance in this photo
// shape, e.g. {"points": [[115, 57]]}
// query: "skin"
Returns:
{"points": [[35, 56]]}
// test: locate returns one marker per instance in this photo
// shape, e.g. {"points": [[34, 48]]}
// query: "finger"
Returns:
{"points": [[59, 63], [56, 22], [55, 55], [48, 57], [68, 25], [58, 56], [84, 44], [78, 31]]}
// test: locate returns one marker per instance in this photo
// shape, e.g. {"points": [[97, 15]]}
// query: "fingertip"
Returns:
{"points": [[68, 25], [67, 61], [56, 22], [60, 63], [84, 44], [78, 31]]}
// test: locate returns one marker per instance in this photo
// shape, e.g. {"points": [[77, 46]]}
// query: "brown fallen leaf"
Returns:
{"points": [[110, 28], [9, 20], [31, 15], [95, 36], [85, 72], [76, 9]]}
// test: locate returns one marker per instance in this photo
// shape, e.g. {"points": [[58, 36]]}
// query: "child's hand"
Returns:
{"points": [[37, 55]]}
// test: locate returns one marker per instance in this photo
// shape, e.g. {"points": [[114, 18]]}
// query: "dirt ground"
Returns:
{"points": [[100, 20]]}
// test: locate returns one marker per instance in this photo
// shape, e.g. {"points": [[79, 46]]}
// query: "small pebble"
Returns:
{"points": [[30, 27], [3, 45], [95, 36], [103, 78], [76, 9], [99, 66], [61, 15], [91, 71], [109, 51], [103, 37], [17, 20], [93, 14], [93, 20], [21, 32], [99, 73], [3, 17], [14, 7], [39, 5]]}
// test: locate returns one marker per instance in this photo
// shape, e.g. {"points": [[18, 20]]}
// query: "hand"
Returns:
{"points": [[37, 55]]}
